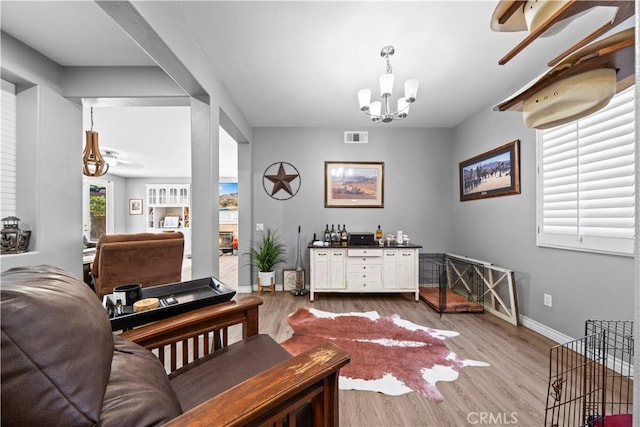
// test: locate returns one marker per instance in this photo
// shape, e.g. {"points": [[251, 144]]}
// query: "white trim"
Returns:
{"points": [[612, 363], [544, 330]]}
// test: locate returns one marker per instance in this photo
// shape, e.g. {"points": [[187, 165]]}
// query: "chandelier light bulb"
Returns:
{"points": [[364, 98], [379, 110], [411, 89], [375, 108], [386, 84], [403, 107]]}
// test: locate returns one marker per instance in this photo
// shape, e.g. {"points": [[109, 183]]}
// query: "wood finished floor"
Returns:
{"points": [[511, 391]]}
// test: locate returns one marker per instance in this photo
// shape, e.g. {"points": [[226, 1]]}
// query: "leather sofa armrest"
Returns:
{"points": [[309, 378], [197, 322]]}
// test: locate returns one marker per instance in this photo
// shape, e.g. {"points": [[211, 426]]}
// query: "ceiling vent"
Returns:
{"points": [[356, 137]]}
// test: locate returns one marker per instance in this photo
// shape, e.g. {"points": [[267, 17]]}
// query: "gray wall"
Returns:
{"points": [[502, 230], [418, 184], [49, 172]]}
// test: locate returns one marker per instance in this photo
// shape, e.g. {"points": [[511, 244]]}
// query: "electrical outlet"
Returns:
{"points": [[547, 300], [259, 227]]}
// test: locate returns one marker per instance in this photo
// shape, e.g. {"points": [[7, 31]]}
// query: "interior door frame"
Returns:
{"points": [[87, 182]]}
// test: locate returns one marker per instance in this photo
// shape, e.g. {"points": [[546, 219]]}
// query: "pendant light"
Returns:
{"points": [[93, 164]]}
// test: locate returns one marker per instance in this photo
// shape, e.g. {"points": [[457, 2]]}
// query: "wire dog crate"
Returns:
{"points": [[451, 285], [591, 378]]}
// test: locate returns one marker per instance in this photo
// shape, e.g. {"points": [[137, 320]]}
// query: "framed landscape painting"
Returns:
{"points": [[354, 184], [491, 174]]}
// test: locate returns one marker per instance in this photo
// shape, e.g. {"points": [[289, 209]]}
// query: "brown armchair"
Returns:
{"points": [[146, 258], [62, 365]]}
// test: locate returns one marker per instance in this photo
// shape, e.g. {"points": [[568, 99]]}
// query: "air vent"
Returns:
{"points": [[356, 137]]}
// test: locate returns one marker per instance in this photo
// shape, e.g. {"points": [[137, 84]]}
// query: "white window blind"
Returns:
{"points": [[586, 181], [8, 151]]}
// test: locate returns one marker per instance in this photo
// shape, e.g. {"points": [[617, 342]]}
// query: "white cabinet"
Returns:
{"points": [[407, 268], [358, 269], [168, 209], [327, 268], [400, 268]]}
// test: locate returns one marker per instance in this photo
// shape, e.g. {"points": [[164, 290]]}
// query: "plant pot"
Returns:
{"points": [[266, 278]]}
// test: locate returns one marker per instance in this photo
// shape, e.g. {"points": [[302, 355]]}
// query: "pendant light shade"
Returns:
{"points": [[93, 164], [386, 84], [364, 98], [411, 89]]}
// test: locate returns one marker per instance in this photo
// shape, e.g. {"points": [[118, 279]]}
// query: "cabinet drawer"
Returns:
{"points": [[364, 252], [364, 285], [363, 268]]}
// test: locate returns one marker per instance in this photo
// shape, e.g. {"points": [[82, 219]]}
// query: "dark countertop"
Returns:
{"points": [[393, 246]]}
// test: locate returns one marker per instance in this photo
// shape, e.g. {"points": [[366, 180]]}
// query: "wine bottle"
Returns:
{"points": [[344, 237], [333, 234], [327, 236], [379, 233]]}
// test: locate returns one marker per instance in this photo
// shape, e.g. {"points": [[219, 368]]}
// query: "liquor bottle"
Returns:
{"points": [[327, 235], [344, 237], [299, 290], [333, 234], [379, 233]]}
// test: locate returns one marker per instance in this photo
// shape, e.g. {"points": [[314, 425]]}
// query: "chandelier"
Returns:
{"points": [[93, 164], [379, 110]]}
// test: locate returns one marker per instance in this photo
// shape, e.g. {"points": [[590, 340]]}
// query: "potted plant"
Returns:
{"points": [[265, 254]]}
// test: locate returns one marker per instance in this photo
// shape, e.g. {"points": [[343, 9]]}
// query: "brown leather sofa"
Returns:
{"points": [[146, 258], [62, 365]]}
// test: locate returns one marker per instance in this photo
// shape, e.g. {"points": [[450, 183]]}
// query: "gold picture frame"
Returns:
{"points": [[353, 184]]}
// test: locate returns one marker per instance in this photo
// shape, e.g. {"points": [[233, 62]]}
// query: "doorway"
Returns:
{"points": [[97, 209], [228, 209]]}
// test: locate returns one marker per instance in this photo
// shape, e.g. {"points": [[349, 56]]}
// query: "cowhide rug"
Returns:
{"points": [[388, 354]]}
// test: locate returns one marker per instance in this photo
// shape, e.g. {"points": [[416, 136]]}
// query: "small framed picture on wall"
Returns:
{"points": [[135, 206]]}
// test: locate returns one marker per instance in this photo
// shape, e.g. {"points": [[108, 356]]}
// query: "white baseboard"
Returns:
{"points": [[244, 289], [544, 330]]}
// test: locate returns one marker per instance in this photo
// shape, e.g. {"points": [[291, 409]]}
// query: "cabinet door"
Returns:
{"points": [[152, 196], [320, 268], [389, 268], [162, 196], [406, 277], [337, 269], [173, 196], [184, 195]]}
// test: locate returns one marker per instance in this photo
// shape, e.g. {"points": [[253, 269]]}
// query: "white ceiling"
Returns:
{"points": [[300, 63]]}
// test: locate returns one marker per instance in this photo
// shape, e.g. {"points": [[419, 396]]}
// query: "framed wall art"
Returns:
{"points": [[354, 184], [289, 278], [491, 174], [135, 206]]}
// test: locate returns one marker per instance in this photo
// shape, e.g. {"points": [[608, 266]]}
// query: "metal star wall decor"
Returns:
{"points": [[281, 180]]}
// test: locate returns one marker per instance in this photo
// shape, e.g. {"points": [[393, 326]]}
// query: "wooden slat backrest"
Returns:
{"points": [[184, 338]]}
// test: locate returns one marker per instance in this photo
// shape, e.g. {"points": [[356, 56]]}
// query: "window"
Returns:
{"points": [[8, 152], [586, 187]]}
